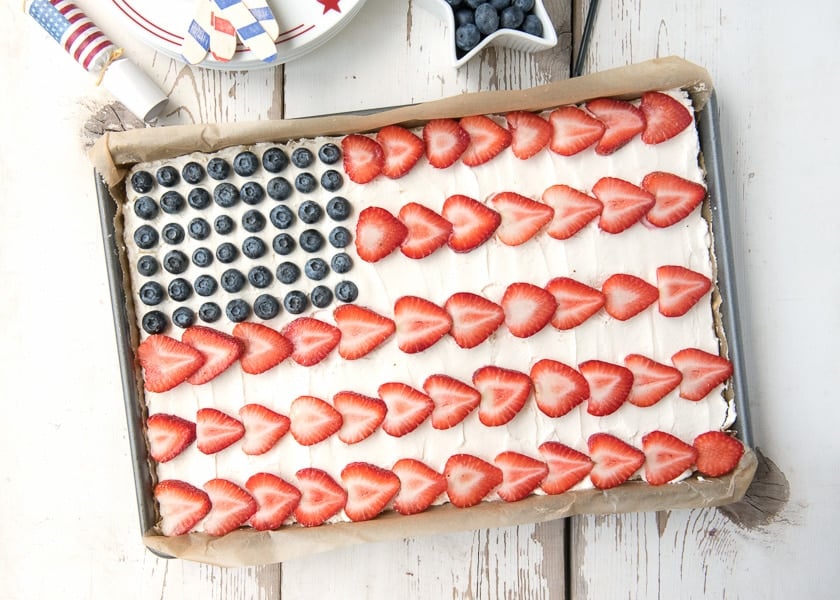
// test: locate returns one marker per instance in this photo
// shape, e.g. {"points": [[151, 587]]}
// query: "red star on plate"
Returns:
{"points": [[330, 5]]}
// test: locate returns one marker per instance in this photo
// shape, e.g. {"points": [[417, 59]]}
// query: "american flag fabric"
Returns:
{"points": [[69, 26]]}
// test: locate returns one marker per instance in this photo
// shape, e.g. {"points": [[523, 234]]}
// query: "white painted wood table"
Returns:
{"points": [[68, 524]]}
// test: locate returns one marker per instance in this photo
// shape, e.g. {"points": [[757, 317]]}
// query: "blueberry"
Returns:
{"points": [[295, 302], [266, 306], [192, 172], [341, 262], [202, 257], [532, 25], [274, 160], [142, 182], [464, 16], [198, 198], [321, 296], [245, 164], [145, 237], [176, 262], [454, 3], [183, 317], [227, 253], [237, 310], [147, 265], [281, 217], [225, 195], [288, 272], [499, 4], [329, 154], [311, 240], [467, 37], [260, 277], [316, 269], [172, 233], [154, 322], [475, 3], [145, 208], [205, 285], [253, 247], [283, 244], [346, 291], [223, 225], [339, 237], [310, 212], [512, 17], [199, 229], [278, 188], [209, 312], [338, 208], [218, 168], [232, 280], [305, 183], [151, 293], [486, 18], [302, 158], [524, 5], [253, 221], [167, 176], [251, 193], [172, 202], [331, 180], [179, 289]]}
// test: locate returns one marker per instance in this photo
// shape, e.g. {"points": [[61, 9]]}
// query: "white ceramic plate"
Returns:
{"points": [[304, 25]]}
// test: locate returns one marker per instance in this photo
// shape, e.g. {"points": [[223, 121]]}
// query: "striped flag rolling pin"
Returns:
{"points": [[69, 26]]}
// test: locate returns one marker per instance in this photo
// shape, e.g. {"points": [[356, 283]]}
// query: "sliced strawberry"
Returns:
{"points": [[529, 132], [378, 233], [219, 349], [473, 223], [666, 457], [474, 318], [407, 408], [231, 506], [566, 467], [676, 198], [363, 158], [717, 453], [623, 121], [624, 203], [528, 308], [521, 475], [264, 347], [276, 499], [362, 330], [181, 506], [576, 302], [627, 295], [573, 210], [369, 490], [419, 323], [420, 486], [313, 420], [167, 362], [263, 428], [320, 497], [469, 479], [427, 230], [453, 399], [360, 415], [558, 388], [522, 218], [169, 435], [573, 130], [215, 430], [665, 117], [680, 289], [652, 381], [614, 460], [609, 386], [487, 139], [701, 372], [401, 148], [445, 142], [311, 339], [503, 394]]}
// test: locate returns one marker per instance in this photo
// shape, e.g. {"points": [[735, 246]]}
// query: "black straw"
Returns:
{"points": [[584, 38]]}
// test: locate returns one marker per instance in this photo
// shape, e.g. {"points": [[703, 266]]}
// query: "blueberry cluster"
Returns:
{"points": [[305, 225], [476, 19]]}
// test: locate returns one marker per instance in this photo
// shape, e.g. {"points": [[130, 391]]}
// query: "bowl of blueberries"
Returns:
{"points": [[475, 24]]}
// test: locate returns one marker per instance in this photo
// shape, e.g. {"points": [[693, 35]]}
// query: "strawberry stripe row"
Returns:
{"points": [[464, 224], [267, 501]]}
